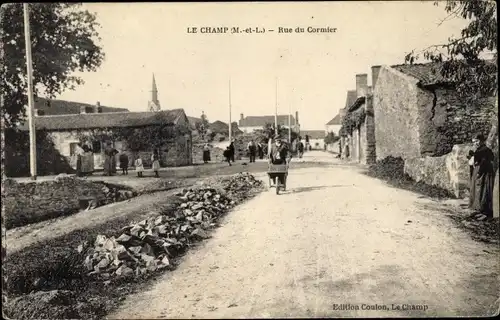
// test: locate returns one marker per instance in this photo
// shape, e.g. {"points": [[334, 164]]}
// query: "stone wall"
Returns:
{"points": [[396, 115], [449, 172], [456, 122], [41, 199], [216, 154], [175, 153], [369, 125], [412, 122]]}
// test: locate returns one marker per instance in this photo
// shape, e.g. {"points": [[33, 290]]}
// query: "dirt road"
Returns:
{"points": [[336, 237]]}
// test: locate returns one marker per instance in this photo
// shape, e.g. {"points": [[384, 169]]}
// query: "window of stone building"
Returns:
{"points": [[96, 146]]}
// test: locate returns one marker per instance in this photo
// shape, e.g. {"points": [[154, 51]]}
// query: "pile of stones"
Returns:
{"points": [[150, 244]]}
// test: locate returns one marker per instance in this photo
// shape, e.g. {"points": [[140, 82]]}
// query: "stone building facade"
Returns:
{"points": [[419, 114], [359, 139], [66, 131]]}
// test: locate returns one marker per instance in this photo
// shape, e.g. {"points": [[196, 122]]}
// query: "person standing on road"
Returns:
{"points": [[481, 198], [227, 155], [87, 166], [78, 157], [155, 159], [206, 153], [139, 167], [124, 163], [300, 149], [260, 150], [231, 150], [109, 160], [279, 154], [252, 149]]}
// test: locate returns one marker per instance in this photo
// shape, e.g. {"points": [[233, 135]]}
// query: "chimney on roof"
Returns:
{"points": [[241, 116], [375, 72], [39, 112], [98, 108], [361, 85]]}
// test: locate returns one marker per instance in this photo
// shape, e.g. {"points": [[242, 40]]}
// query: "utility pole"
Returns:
{"points": [[29, 67], [230, 125], [276, 131], [290, 122]]}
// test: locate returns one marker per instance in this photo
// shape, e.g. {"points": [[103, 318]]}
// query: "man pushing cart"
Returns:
{"points": [[279, 160]]}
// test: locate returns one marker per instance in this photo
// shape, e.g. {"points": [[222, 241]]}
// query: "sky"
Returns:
{"points": [[313, 71]]}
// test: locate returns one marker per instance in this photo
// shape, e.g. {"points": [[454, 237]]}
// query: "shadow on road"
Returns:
{"points": [[307, 189]]}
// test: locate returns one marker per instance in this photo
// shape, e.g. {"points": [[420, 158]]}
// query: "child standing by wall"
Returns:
{"points": [[155, 158], [139, 167]]}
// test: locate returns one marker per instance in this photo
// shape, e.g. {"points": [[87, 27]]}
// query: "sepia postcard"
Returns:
{"points": [[184, 160]]}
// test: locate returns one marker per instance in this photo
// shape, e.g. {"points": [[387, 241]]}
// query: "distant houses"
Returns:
{"points": [[334, 125], [249, 124], [316, 138]]}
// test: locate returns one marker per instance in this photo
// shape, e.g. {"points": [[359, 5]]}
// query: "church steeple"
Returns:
{"points": [[154, 104]]}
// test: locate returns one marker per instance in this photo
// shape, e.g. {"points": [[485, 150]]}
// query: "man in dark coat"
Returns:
{"points": [[279, 154], [231, 151]]}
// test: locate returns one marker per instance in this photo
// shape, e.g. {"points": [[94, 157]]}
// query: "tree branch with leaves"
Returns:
{"points": [[64, 39]]}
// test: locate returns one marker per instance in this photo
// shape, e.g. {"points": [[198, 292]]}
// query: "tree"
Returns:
{"points": [[64, 39], [331, 137], [202, 125], [462, 59]]}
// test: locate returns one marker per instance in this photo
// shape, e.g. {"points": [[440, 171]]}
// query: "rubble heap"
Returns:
{"points": [[150, 244]]}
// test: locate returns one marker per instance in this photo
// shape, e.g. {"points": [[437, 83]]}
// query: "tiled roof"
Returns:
{"points": [[106, 120], [351, 98], [426, 73], [59, 107], [335, 120], [260, 121], [313, 134]]}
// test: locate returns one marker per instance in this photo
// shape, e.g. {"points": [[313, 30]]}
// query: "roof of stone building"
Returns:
{"points": [[427, 73], [59, 107], [106, 120], [261, 121], [313, 134], [351, 98], [334, 121]]}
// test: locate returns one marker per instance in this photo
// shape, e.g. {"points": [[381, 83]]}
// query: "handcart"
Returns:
{"points": [[275, 172]]}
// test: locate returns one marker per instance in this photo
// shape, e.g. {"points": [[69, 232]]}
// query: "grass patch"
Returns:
{"points": [[55, 264], [391, 170]]}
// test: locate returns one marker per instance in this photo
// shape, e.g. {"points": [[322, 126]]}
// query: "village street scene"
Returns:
{"points": [[271, 160]]}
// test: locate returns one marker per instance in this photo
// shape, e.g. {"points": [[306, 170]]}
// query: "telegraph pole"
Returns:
{"points": [[276, 131], [29, 67], [230, 126], [290, 122]]}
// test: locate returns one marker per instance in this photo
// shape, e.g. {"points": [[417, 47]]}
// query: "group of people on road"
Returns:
{"points": [[482, 172], [84, 161]]}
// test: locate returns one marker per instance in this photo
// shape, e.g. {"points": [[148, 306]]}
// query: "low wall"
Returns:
{"points": [[449, 172], [36, 200]]}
